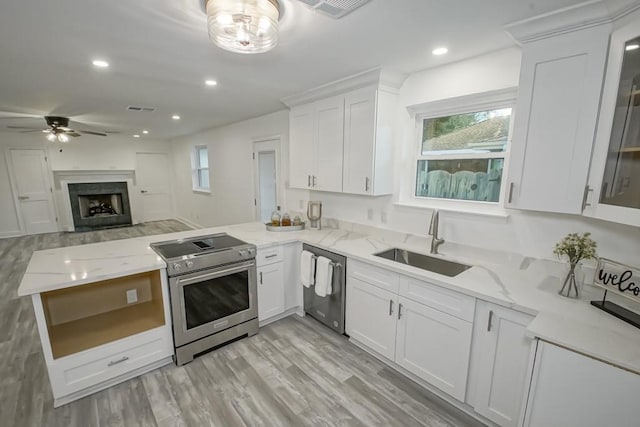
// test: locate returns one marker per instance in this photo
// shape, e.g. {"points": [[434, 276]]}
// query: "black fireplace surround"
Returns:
{"points": [[97, 205]]}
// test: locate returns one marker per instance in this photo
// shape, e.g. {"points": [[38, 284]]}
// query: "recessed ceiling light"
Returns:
{"points": [[100, 63], [440, 51], [145, 132], [136, 136], [175, 117], [633, 46], [210, 82]]}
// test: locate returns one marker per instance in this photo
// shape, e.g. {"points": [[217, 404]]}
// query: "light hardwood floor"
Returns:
{"points": [[295, 372]]}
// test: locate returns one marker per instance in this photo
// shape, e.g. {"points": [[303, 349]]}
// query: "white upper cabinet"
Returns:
{"points": [[315, 148], [557, 110], [368, 139], [341, 138], [614, 184]]}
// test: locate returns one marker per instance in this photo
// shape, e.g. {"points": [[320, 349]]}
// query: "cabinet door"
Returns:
{"points": [[501, 354], [329, 144], [434, 346], [270, 290], [359, 141], [572, 390], [558, 100], [301, 143], [371, 316]]}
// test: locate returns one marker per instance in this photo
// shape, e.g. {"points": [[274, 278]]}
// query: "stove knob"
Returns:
{"points": [[177, 266], [242, 253], [252, 251], [189, 264]]}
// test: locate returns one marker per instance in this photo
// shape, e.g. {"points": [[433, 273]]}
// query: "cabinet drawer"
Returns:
{"points": [[450, 302], [380, 277], [269, 255], [95, 366]]}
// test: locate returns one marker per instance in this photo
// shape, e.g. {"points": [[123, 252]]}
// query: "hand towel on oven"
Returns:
{"points": [[324, 276], [307, 269]]}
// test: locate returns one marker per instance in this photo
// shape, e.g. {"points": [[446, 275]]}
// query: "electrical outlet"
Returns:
{"points": [[132, 296], [370, 214]]}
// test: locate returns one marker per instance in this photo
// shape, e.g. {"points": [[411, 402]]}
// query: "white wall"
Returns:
{"points": [[230, 168], [87, 153], [528, 233]]}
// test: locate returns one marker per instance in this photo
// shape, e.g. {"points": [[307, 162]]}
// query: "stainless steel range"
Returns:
{"points": [[212, 282]]}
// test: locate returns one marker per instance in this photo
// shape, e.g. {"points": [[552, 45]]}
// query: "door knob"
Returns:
{"points": [[23, 197], [143, 191]]}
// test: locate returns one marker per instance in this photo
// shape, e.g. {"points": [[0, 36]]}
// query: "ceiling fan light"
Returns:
{"points": [[51, 137], [63, 138], [243, 26]]}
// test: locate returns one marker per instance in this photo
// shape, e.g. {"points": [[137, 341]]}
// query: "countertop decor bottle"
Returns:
{"points": [[275, 218], [286, 220]]}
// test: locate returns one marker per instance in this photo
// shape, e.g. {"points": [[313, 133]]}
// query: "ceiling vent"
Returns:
{"points": [[335, 8], [141, 109]]}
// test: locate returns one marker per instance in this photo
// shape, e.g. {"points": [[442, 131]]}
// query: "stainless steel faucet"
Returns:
{"points": [[433, 232]]}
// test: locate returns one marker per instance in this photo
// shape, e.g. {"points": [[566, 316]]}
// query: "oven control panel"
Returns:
{"points": [[199, 262]]}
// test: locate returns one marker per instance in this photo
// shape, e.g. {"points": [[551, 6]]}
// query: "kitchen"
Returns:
{"points": [[396, 217]]}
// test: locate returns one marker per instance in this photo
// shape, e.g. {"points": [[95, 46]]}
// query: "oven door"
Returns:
{"points": [[209, 301]]}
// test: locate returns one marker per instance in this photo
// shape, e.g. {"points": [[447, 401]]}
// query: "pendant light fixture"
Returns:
{"points": [[243, 26]]}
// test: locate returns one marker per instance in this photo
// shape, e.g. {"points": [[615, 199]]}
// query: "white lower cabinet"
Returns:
{"points": [[370, 316], [572, 390], [434, 346], [270, 290], [500, 362]]}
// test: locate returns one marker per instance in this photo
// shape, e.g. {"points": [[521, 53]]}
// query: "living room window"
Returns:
{"points": [[463, 149], [200, 168]]}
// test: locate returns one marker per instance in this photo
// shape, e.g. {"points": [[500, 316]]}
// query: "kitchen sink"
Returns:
{"points": [[425, 262]]}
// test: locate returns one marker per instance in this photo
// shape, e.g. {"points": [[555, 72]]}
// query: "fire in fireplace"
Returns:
{"points": [[96, 205]]}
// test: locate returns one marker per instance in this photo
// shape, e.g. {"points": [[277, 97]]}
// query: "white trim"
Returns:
{"points": [[191, 224], [195, 169], [480, 101], [493, 210], [204, 191], [9, 234]]}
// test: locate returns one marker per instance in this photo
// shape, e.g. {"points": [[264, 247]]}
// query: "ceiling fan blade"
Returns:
{"points": [[19, 117], [90, 132], [24, 127], [30, 130], [73, 134], [64, 128]]}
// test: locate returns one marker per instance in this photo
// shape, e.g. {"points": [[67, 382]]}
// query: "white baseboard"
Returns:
{"points": [[187, 222], [8, 234], [280, 316]]}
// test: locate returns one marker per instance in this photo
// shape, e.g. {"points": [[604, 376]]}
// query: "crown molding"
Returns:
{"points": [[387, 80], [573, 18]]}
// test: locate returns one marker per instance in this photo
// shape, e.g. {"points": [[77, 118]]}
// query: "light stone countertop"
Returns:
{"points": [[524, 284]]}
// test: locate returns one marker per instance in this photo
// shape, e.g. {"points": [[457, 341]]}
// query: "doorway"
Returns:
{"points": [[32, 190], [152, 176], [266, 159]]}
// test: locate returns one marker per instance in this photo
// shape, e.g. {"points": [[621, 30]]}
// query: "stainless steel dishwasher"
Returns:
{"points": [[328, 310]]}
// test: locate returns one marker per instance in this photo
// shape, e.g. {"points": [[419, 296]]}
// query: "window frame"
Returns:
{"points": [[484, 101], [196, 169]]}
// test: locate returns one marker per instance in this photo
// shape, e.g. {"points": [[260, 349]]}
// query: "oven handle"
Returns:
{"points": [[217, 273]]}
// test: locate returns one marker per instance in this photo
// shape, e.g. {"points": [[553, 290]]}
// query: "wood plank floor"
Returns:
{"points": [[295, 372]]}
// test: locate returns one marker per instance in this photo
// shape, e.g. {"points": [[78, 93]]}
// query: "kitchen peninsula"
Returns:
{"points": [[81, 362]]}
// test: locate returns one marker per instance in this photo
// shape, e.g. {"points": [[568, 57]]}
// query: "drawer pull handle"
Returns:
{"points": [[116, 362], [271, 256], [390, 307], [490, 321]]}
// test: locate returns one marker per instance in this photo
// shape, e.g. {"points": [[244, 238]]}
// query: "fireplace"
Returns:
{"points": [[97, 205]]}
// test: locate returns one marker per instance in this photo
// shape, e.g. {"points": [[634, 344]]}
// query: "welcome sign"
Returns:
{"points": [[618, 278]]}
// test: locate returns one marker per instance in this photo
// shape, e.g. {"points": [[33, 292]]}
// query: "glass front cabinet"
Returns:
{"points": [[613, 193]]}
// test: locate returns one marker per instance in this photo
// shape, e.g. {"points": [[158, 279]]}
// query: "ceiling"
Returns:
{"points": [[160, 55]]}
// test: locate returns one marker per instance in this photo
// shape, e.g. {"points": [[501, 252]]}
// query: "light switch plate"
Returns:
{"points": [[132, 296]]}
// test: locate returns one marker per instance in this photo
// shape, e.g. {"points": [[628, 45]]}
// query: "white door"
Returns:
{"points": [[266, 156], [270, 291], [30, 177], [152, 175], [501, 353], [371, 316], [329, 144], [359, 141], [435, 346], [301, 143]]}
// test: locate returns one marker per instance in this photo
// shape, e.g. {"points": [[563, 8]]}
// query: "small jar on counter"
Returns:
{"points": [[286, 220], [297, 220]]}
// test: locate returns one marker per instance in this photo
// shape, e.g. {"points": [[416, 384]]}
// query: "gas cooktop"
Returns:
{"points": [[196, 253]]}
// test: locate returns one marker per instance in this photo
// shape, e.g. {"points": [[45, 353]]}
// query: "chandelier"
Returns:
{"points": [[56, 134], [243, 26]]}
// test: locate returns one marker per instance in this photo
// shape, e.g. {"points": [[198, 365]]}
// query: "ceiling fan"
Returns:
{"points": [[58, 130]]}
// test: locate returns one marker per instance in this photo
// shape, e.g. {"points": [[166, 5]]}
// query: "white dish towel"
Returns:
{"points": [[307, 269], [324, 277]]}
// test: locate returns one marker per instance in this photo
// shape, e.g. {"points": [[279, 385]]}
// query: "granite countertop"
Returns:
{"points": [[521, 283]]}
